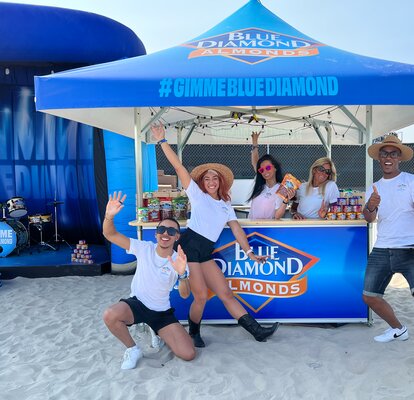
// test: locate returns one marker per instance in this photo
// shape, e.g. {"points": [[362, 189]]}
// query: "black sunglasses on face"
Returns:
{"points": [[170, 230], [324, 170], [393, 154]]}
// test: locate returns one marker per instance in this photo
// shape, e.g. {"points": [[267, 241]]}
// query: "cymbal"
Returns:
{"points": [[52, 203]]}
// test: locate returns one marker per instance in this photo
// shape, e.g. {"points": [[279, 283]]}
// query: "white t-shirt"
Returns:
{"points": [[310, 204], [266, 203], [208, 216], [154, 277], [395, 211]]}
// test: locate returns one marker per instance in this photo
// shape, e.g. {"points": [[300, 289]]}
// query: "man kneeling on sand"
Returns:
{"points": [[158, 268]]}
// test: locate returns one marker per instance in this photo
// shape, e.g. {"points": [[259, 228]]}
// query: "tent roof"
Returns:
{"points": [[252, 64]]}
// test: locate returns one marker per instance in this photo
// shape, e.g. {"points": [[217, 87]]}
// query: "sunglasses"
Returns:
{"points": [[266, 168], [324, 170], [170, 230], [393, 154]]}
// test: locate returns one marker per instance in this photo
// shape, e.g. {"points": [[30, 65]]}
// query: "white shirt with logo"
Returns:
{"points": [[154, 277], [208, 216], [309, 204], [396, 211], [266, 203]]}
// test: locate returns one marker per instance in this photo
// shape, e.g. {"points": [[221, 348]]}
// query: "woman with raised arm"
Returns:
{"points": [[265, 203], [208, 191], [314, 197]]}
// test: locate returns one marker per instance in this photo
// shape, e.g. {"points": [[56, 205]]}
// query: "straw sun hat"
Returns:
{"points": [[390, 140], [224, 171]]}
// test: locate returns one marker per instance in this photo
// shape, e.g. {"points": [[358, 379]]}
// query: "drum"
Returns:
{"points": [[13, 236], [35, 219], [16, 207], [45, 218]]}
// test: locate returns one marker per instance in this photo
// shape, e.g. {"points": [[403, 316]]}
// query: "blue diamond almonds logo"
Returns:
{"points": [[252, 46], [283, 275]]}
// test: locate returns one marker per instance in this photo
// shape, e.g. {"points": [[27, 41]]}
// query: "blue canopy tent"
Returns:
{"points": [[252, 69]]}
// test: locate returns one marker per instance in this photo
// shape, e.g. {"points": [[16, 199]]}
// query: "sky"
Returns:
{"points": [[375, 28]]}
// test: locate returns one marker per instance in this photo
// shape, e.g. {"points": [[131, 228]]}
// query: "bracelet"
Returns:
{"points": [[375, 209], [285, 202], [162, 141], [249, 251], [183, 276]]}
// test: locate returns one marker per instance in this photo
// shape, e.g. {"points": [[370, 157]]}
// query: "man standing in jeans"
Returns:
{"points": [[391, 201]]}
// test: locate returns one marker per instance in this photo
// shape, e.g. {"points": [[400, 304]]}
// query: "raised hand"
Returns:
{"points": [[323, 210], [255, 138], [180, 263], [158, 131], [374, 200], [115, 204]]}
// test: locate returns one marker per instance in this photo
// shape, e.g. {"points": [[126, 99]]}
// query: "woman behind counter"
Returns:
{"points": [[314, 197], [265, 203]]}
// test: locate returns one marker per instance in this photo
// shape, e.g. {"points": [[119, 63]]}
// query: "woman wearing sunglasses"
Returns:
{"points": [[208, 191], [265, 203], [314, 197], [158, 268]]}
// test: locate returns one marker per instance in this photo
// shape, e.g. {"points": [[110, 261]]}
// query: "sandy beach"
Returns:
{"points": [[54, 345]]}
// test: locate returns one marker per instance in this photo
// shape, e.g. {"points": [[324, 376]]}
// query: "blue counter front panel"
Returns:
{"points": [[313, 274]]}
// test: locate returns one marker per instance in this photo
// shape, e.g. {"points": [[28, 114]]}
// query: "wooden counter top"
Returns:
{"points": [[271, 222]]}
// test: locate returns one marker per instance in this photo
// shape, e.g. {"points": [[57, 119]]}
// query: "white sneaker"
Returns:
{"points": [[393, 334], [131, 357]]}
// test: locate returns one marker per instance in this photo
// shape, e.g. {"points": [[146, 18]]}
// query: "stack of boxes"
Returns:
{"points": [[82, 254]]}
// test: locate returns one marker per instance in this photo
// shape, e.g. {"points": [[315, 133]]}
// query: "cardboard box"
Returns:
{"points": [[168, 180]]}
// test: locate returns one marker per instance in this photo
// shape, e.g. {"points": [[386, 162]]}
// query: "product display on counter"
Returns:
{"points": [[348, 206]]}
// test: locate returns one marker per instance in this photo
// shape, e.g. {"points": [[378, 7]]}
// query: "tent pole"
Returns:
{"points": [[328, 128], [138, 162], [369, 168], [179, 147], [321, 138]]}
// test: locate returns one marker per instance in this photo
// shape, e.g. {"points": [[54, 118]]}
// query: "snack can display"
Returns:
{"points": [[336, 208], [342, 201], [357, 208], [341, 216], [288, 182], [360, 215], [353, 201], [350, 215], [347, 209], [331, 216]]}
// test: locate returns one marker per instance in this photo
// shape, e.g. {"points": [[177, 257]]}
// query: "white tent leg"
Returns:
{"points": [[138, 162]]}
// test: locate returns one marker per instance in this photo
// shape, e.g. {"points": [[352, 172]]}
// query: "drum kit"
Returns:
{"points": [[15, 236]]}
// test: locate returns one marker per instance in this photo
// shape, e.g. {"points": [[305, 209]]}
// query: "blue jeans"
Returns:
{"points": [[383, 264]]}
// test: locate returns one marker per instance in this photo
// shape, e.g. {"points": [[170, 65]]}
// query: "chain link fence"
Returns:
{"points": [[295, 159]]}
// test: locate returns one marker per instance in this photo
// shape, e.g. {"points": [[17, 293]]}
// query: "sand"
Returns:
{"points": [[54, 345]]}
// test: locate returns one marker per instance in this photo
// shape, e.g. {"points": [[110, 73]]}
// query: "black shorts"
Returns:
{"points": [[196, 247], [155, 319]]}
